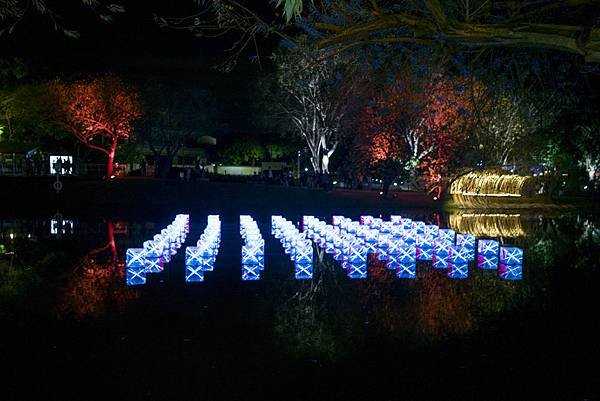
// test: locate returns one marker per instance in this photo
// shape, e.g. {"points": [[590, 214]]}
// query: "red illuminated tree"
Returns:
{"points": [[99, 112], [415, 125]]}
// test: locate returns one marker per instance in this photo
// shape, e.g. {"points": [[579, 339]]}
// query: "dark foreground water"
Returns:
{"points": [[72, 330]]}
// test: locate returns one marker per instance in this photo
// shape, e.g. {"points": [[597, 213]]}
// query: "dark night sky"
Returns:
{"points": [[136, 48]]}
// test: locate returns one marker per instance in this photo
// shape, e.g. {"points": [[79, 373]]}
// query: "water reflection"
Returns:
{"points": [[201, 258], [488, 224], [327, 315], [95, 284]]}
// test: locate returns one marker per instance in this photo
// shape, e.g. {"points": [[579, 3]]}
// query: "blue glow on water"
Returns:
{"points": [[407, 254], [510, 272], [194, 274], [458, 270], [459, 254], [251, 272], [201, 258], [487, 262], [356, 270], [424, 253], [399, 243], [439, 261], [303, 271], [406, 270], [135, 275]]}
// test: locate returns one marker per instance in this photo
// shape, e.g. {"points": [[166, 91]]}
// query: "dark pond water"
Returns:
{"points": [[73, 329]]}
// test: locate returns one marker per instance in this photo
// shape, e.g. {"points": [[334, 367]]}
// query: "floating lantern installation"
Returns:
{"points": [[156, 252]]}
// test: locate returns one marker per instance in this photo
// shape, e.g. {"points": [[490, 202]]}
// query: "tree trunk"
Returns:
{"points": [[386, 188], [111, 158]]}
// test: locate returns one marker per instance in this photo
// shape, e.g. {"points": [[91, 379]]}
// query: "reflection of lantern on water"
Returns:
{"points": [[488, 225]]}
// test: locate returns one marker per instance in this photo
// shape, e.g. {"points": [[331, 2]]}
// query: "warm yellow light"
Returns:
{"points": [[489, 184], [488, 225]]}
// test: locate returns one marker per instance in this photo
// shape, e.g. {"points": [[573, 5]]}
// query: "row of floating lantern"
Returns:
{"points": [[253, 249], [296, 245], [156, 252], [401, 242], [201, 258]]}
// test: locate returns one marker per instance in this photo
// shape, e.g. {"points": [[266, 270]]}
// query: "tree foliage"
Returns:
{"points": [[417, 123], [99, 112], [172, 118], [12, 12], [313, 94]]}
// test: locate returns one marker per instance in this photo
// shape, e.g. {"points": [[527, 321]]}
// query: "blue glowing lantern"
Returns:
{"points": [[424, 240], [304, 253], [362, 231], [407, 254], [439, 261], [209, 264], [394, 245], [396, 220], [135, 275], [392, 262], [250, 272], [487, 262], [510, 272], [194, 256], [418, 226], [356, 270], [409, 235], [336, 220], [303, 271], [446, 234], [465, 240], [252, 254], [397, 231], [358, 253], [458, 270], [424, 253], [406, 270], [371, 247], [487, 247], [459, 254], [441, 247], [511, 255], [383, 241], [154, 265], [366, 220], [406, 222], [134, 257], [306, 222], [154, 249], [194, 274], [432, 230], [372, 236], [376, 223]]}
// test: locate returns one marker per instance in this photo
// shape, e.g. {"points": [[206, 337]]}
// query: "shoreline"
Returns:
{"points": [[143, 196]]}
